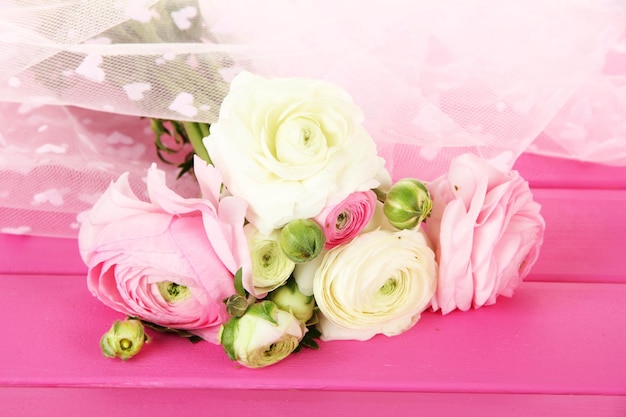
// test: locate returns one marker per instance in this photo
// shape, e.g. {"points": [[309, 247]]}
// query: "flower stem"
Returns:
{"points": [[195, 132], [380, 195]]}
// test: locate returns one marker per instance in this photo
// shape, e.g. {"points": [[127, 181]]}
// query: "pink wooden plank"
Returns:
{"points": [[550, 339], [585, 237], [167, 402]]}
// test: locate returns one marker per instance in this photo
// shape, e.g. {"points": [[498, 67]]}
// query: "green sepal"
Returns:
{"points": [[106, 348], [263, 310], [227, 336]]}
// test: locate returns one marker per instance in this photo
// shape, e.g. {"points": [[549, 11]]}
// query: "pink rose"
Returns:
{"points": [[170, 260], [343, 222], [487, 231]]}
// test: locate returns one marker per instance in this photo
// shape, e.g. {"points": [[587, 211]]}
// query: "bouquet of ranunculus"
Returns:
{"points": [[297, 232]]}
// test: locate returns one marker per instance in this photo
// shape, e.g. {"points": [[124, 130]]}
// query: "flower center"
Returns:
{"points": [[126, 344], [270, 349], [388, 287], [300, 141], [173, 292], [342, 220]]}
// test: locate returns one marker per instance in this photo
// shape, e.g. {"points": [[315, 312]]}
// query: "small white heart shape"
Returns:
{"points": [[135, 91], [90, 68], [182, 17], [52, 196], [183, 104], [119, 138], [20, 230]]}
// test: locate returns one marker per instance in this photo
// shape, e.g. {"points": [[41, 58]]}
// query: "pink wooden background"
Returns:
{"points": [[557, 348]]}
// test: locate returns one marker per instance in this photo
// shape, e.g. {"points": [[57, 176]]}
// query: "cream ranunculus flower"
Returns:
{"points": [[291, 147], [270, 265], [378, 283], [261, 337]]}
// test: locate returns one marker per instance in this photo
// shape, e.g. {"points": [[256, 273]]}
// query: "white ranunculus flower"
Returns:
{"points": [[378, 283], [291, 147]]}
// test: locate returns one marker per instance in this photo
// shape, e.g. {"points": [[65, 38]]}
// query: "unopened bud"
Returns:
{"points": [[302, 240], [408, 203], [289, 298], [236, 305], [123, 340]]}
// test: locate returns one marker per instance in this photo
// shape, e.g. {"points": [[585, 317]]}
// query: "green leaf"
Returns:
{"points": [[239, 283], [204, 129], [181, 135], [158, 127], [308, 341], [186, 166]]}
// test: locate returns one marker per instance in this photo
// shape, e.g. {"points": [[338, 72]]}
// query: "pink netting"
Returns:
{"points": [[434, 79]]}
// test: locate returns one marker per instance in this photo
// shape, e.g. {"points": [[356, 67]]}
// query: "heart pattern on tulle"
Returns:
{"points": [[182, 18], [20, 230], [90, 68], [183, 104], [116, 138], [135, 91], [52, 196]]}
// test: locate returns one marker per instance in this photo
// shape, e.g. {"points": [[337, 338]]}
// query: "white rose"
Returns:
{"points": [[291, 147], [378, 283]]}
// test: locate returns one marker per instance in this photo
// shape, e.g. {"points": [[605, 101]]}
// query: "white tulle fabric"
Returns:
{"points": [[434, 79]]}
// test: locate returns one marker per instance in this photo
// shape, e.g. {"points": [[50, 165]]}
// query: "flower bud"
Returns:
{"points": [[236, 305], [289, 298], [407, 204], [302, 240], [262, 336], [123, 340]]}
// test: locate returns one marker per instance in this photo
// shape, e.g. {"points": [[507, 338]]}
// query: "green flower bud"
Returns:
{"points": [[262, 336], [270, 265], [408, 203], [236, 305], [123, 340], [289, 298], [302, 240]]}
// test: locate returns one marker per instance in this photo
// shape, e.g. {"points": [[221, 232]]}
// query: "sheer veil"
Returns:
{"points": [[79, 81]]}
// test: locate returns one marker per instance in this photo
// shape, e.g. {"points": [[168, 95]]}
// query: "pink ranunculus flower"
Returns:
{"points": [[170, 260], [487, 231], [344, 221]]}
